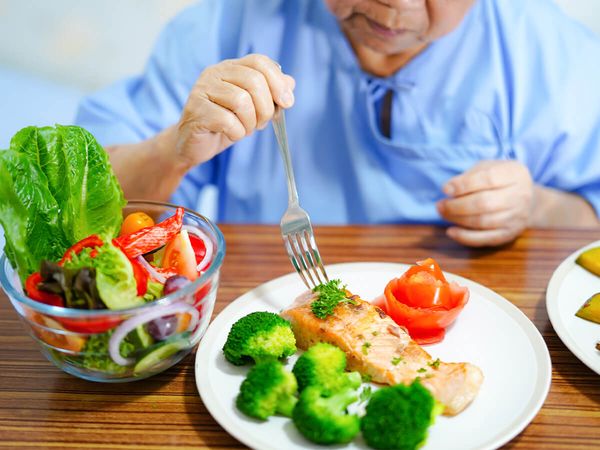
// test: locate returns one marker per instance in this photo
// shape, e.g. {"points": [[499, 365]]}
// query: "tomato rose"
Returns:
{"points": [[423, 301]]}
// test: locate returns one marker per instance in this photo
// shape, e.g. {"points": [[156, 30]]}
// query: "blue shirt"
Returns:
{"points": [[516, 80]]}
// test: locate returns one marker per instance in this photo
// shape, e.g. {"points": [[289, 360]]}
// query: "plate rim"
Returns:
{"points": [[543, 360], [556, 319]]}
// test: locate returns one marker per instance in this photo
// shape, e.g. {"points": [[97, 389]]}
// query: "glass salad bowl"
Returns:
{"points": [[118, 345]]}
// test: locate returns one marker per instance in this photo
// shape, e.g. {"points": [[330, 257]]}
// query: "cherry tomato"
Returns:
{"points": [[135, 222], [179, 256], [150, 238], [423, 301]]}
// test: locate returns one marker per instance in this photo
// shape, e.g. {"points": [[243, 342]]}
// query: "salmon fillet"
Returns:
{"points": [[377, 347]]}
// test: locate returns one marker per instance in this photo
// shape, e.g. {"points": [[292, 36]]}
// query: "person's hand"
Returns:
{"points": [[228, 102], [491, 203]]}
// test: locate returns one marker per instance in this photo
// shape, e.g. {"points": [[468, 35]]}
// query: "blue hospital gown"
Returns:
{"points": [[516, 80]]}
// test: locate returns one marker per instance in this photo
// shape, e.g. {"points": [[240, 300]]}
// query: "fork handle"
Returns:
{"points": [[281, 135]]}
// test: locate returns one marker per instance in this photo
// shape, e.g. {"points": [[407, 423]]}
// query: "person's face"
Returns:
{"points": [[394, 26]]}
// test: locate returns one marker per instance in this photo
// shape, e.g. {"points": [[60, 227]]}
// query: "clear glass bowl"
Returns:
{"points": [[80, 341]]}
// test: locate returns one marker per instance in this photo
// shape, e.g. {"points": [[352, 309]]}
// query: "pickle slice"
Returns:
{"points": [[590, 260], [590, 310]]}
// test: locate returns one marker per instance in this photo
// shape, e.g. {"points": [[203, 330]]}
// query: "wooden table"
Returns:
{"points": [[42, 407]]}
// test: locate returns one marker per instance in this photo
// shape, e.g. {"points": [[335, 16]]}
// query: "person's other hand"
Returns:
{"points": [[228, 102], [490, 204]]}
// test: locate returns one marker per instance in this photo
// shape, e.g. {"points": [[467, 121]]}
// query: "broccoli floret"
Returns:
{"points": [[323, 419], [268, 389], [259, 336], [398, 417], [324, 365]]}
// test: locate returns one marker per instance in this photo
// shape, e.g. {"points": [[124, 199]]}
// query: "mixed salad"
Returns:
{"points": [[61, 208]]}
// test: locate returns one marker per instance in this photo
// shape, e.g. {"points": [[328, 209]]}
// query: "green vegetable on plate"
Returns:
{"points": [[323, 418], [399, 417], [259, 336], [324, 365], [330, 294], [267, 390]]}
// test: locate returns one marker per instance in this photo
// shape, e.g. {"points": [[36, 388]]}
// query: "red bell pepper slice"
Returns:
{"points": [[199, 247], [89, 242], [150, 238], [31, 287], [89, 325], [141, 276]]}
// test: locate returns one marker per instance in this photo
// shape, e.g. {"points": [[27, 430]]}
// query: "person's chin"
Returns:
{"points": [[390, 46]]}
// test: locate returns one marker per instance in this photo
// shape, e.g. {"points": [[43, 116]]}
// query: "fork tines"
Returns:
{"points": [[305, 258]]}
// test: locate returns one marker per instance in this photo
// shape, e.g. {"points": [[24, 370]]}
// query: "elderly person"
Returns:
{"points": [[483, 115]]}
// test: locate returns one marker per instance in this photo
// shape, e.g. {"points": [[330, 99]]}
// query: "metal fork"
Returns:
{"points": [[296, 229]]}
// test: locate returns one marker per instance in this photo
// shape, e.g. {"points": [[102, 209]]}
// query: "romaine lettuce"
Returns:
{"points": [[29, 214], [56, 188], [79, 177]]}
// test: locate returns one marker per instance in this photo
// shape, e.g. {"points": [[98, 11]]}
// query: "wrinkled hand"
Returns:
{"points": [[228, 102], [491, 203]]}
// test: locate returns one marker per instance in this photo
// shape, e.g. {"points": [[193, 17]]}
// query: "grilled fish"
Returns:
{"points": [[378, 348]]}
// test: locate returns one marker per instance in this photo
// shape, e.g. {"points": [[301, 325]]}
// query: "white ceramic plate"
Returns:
{"points": [[490, 332], [569, 287]]}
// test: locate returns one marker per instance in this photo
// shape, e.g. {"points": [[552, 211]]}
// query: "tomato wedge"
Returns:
{"points": [[423, 301], [179, 256]]}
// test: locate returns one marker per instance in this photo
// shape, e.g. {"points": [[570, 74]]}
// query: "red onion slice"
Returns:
{"points": [[151, 270], [133, 322], [208, 244]]}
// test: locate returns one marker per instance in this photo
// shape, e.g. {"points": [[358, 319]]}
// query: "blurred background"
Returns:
{"points": [[53, 52]]}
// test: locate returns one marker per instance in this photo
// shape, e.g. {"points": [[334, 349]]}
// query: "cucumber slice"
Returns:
{"points": [[158, 353], [140, 338]]}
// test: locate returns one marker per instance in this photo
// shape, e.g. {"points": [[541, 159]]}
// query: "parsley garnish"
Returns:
{"points": [[366, 378], [435, 364], [365, 394], [330, 295], [422, 369], [365, 348], [397, 360], [375, 333]]}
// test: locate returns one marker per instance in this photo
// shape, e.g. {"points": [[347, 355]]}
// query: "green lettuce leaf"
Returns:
{"points": [[96, 356], [154, 291], [114, 275], [56, 188], [29, 214], [80, 178]]}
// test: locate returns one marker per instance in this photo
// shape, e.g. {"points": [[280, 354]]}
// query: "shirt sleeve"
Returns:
{"points": [[139, 107], [556, 102]]}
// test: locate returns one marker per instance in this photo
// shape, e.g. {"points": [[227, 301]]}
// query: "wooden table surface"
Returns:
{"points": [[42, 407]]}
